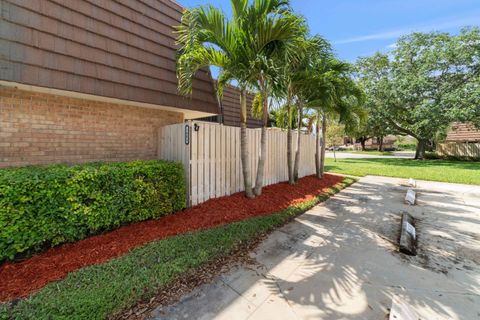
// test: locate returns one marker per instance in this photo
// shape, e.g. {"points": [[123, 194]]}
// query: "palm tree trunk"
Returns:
{"points": [[317, 147], [299, 139], [247, 182], [289, 142], [263, 149], [324, 133]]}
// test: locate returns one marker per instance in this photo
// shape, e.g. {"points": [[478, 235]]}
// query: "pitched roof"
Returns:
{"points": [[123, 49], [463, 132]]}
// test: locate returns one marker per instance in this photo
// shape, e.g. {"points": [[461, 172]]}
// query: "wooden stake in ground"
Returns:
{"points": [[408, 235], [411, 196]]}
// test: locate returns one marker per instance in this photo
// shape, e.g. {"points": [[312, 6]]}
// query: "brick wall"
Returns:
{"points": [[40, 128]]}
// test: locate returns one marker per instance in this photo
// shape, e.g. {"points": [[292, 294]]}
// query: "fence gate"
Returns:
{"points": [[210, 154]]}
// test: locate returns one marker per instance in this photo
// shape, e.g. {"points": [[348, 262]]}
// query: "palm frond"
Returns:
{"points": [[191, 61]]}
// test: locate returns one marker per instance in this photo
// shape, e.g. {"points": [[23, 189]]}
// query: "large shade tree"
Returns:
{"points": [[245, 48], [429, 81]]}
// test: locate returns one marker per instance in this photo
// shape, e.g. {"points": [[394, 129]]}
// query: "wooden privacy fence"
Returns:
{"points": [[457, 149], [210, 154]]}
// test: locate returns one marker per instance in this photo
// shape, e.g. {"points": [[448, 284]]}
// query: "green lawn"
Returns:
{"points": [[436, 170], [373, 152], [100, 291]]}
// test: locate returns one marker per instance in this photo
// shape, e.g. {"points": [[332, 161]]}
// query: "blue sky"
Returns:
{"points": [[362, 27]]}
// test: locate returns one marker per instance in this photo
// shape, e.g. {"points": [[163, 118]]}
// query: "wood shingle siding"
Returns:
{"points": [[231, 108], [122, 49]]}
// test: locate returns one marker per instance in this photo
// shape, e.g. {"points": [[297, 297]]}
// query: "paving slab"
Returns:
{"points": [[340, 260]]}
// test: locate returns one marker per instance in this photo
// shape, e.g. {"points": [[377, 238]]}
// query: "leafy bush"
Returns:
{"points": [[46, 206]]}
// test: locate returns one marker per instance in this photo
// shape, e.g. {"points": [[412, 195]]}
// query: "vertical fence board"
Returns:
{"points": [[218, 189], [251, 155], [269, 159], [257, 152], [222, 163], [228, 144], [194, 167], [237, 159], [253, 152], [240, 167], [212, 161], [206, 185], [201, 161]]}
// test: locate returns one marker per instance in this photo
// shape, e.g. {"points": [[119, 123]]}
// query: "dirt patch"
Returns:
{"points": [[441, 251], [19, 279]]}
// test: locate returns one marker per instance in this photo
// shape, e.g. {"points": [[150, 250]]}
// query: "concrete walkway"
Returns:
{"points": [[347, 155], [339, 261]]}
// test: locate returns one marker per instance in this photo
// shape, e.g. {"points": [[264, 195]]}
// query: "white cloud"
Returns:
{"points": [[431, 26]]}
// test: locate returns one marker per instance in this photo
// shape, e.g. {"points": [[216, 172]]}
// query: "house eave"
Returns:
{"points": [[187, 113]]}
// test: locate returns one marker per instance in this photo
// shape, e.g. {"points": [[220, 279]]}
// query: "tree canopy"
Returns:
{"points": [[429, 81]]}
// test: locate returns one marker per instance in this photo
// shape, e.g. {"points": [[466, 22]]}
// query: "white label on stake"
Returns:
{"points": [[410, 229]]}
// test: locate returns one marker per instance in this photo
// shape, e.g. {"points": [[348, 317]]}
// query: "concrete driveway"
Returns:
{"points": [[340, 261], [347, 155]]}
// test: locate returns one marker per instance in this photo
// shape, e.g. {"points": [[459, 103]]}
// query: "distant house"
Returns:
{"points": [[372, 143], [88, 81], [463, 133], [462, 141]]}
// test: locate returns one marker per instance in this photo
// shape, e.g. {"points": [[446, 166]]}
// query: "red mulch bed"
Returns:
{"points": [[19, 279]]}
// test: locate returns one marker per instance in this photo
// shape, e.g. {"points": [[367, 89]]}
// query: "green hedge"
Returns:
{"points": [[46, 206], [406, 146]]}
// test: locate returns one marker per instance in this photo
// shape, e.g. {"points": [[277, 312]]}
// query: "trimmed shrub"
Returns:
{"points": [[406, 146], [45, 206]]}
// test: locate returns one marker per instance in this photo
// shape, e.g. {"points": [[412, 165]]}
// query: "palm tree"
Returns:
{"points": [[334, 92], [294, 77], [244, 48], [268, 58], [207, 38]]}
